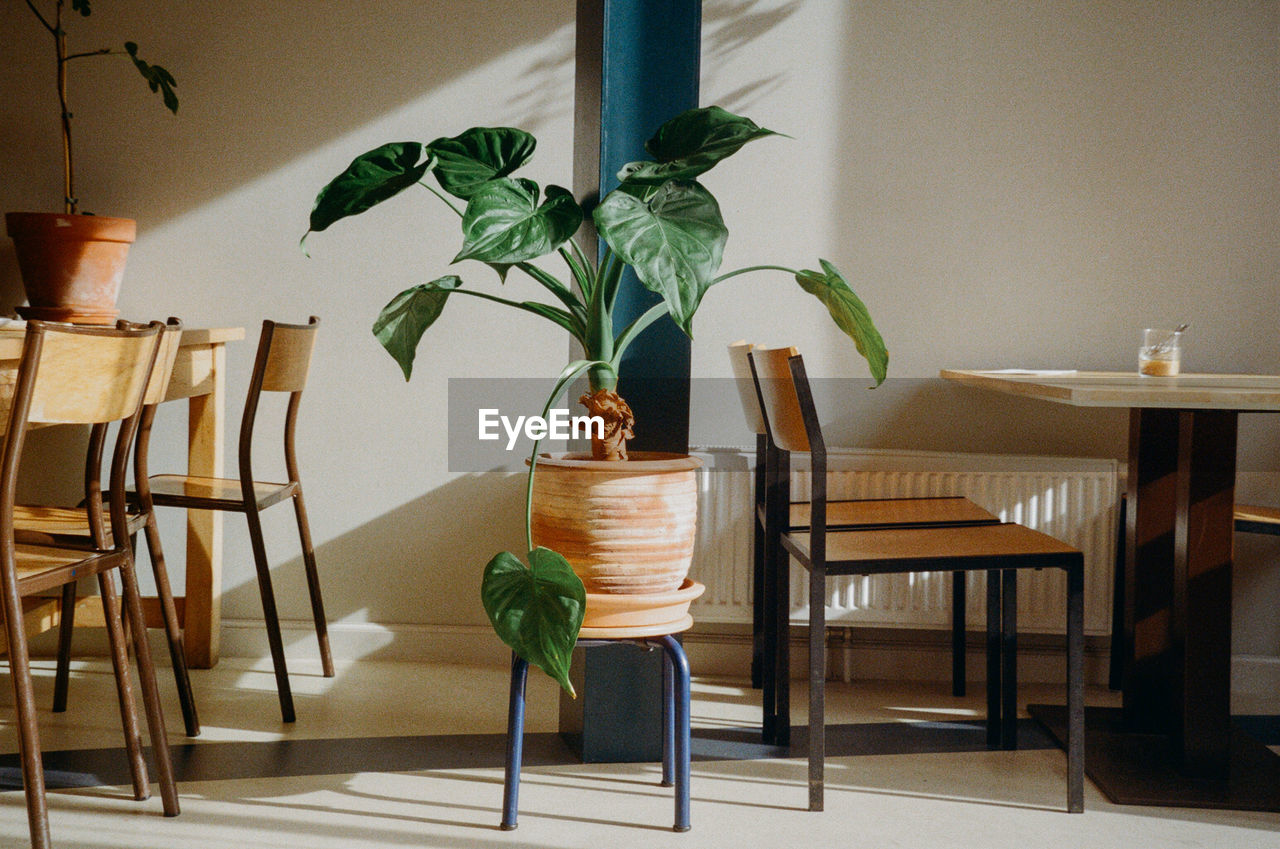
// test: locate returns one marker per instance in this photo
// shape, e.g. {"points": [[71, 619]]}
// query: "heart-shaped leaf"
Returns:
{"points": [[850, 314], [400, 325], [691, 143], [370, 179], [471, 159], [504, 223], [674, 241], [538, 610]]}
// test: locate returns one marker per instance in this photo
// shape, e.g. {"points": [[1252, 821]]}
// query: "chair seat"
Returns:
{"points": [[888, 512], [43, 567], [214, 493], [934, 549], [64, 524], [1255, 519]]}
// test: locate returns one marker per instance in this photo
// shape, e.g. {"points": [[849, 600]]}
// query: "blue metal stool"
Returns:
{"points": [[675, 713]]}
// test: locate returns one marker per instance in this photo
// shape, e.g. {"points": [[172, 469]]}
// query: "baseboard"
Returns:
{"points": [[1256, 680], [713, 649]]}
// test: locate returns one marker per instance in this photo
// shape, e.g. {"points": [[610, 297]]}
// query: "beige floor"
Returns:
{"points": [[985, 800]]}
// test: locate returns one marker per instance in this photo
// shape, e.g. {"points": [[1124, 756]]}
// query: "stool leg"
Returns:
{"points": [[993, 658], [681, 697], [515, 742], [668, 720], [1009, 652]]}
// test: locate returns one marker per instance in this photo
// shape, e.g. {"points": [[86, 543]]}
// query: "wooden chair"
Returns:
{"points": [[80, 375], [998, 550], [773, 474], [281, 365], [73, 527]]}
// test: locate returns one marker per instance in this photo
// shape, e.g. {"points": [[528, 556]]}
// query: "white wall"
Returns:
{"points": [[1006, 184]]}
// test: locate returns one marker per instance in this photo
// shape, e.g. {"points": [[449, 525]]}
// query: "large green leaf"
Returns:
{"points": [[370, 179], [674, 241], [536, 610], [400, 325], [504, 223], [850, 314], [691, 143], [157, 78], [481, 154]]}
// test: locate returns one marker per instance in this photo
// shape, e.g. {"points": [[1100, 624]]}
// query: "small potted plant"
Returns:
{"points": [[72, 264], [662, 223]]}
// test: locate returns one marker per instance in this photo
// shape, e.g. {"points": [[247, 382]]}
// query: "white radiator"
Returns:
{"points": [[1075, 500]]}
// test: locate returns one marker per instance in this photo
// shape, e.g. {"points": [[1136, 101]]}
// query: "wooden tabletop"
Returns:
{"points": [[1257, 392], [11, 338]]}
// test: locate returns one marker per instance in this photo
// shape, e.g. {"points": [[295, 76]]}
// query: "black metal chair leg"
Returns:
{"points": [[959, 613], [759, 595], [993, 659], [1009, 657], [817, 686], [1075, 688], [271, 617]]}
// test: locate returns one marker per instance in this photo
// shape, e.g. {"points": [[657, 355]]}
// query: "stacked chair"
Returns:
{"points": [[75, 528], [997, 549], [85, 376]]}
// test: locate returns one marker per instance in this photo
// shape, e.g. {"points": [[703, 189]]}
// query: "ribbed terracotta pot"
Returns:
{"points": [[71, 265], [625, 526]]}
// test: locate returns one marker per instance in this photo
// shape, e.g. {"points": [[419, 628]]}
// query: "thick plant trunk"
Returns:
{"points": [[618, 423]]}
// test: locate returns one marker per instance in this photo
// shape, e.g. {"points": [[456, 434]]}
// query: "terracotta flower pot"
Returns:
{"points": [[626, 526], [71, 264]]}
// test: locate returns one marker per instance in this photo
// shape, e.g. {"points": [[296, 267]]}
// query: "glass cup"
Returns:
{"points": [[1161, 352]]}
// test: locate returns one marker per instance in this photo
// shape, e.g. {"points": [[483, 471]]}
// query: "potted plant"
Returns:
{"points": [[659, 221], [72, 264]]}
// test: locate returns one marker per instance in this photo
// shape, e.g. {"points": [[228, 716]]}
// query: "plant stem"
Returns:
{"points": [[69, 201], [635, 328], [566, 377], [749, 269], [447, 202]]}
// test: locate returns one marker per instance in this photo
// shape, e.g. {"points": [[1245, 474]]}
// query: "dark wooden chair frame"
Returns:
{"points": [[1001, 578], [93, 533], [250, 503], [99, 561]]}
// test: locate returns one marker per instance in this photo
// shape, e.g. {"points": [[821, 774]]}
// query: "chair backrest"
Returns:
{"points": [[739, 358], [781, 386], [284, 355], [80, 375], [281, 365], [83, 375], [162, 371]]}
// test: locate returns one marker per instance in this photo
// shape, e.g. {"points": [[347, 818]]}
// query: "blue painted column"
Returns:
{"points": [[636, 67]]}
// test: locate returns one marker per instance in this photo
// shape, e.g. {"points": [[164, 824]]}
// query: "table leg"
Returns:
{"points": [[1178, 582], [1202, 587], [205, 449], [1149, 666]]}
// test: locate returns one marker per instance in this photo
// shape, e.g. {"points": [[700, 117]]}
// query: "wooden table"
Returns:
{"points": [[199, 372], [1172, 742]]}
